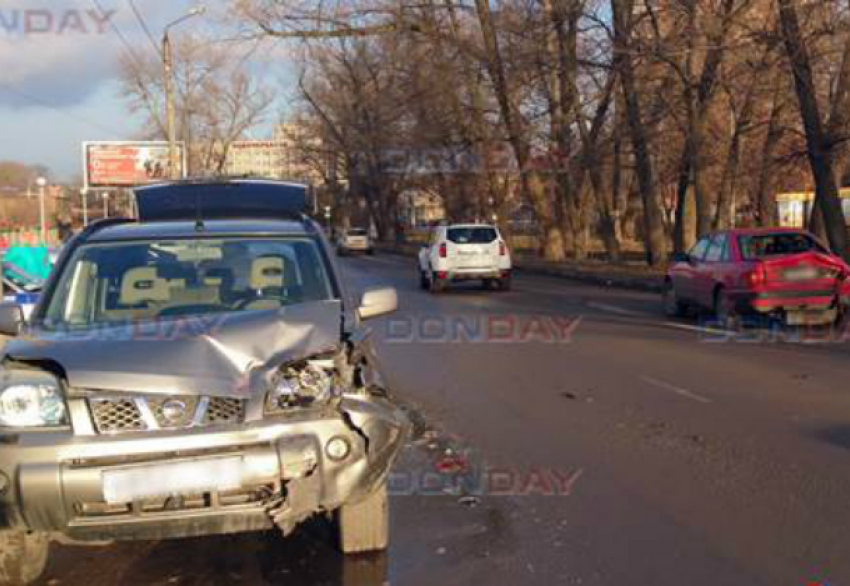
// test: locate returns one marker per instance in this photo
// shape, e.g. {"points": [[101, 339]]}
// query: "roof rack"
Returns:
{"points": [[215, 199]]}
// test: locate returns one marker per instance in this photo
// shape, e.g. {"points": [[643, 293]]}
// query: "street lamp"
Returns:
{"points": [[170, 107], [105, 204], [84, 196], [42, 183]]}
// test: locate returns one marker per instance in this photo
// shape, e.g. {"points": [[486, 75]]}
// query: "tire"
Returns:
{"points": [[725, 314], [23, 557], [672, 306], [505, 283], [436, 285], [370, 252], [365, 526]]}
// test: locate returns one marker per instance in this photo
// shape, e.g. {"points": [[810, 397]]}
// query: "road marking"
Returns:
{"points": [[702, 330], [673, 388], [614, 309]]}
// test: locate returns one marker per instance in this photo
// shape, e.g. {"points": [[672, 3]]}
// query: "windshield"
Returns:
{"points": [[779, 244], [120, 282], [482, 235]]}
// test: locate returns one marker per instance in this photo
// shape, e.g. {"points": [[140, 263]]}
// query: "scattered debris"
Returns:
{"points": [[441, 551], [469, 501], [569, 395], [451, 464]]}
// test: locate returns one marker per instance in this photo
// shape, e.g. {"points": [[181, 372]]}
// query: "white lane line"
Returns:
{"points": [[702, 330], [614, 309], [673, 388]]}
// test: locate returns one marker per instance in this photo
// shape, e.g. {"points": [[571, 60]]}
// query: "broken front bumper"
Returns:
{"points": [[55, 481]]}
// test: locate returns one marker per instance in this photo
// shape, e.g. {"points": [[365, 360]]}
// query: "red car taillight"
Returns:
{"points": [[444, 252], [757, 276], [503, 250]]}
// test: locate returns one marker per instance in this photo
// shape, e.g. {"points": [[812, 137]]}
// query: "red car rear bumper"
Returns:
{"points": [[793, 300]]}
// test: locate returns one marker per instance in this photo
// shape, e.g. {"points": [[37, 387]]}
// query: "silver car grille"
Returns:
{"points": [[127, 414]]}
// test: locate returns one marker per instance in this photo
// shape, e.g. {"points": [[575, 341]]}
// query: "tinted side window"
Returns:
{"points": [[699, 249]]}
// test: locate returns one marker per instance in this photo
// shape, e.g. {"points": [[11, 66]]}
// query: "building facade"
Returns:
{"points": [[290, 154]]}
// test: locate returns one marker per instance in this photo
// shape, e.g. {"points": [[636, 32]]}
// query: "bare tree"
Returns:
{"points": [[217, 100], [821, 137]]}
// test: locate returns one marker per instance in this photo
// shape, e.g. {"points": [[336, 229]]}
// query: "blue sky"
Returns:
{"points": [[59, 69]]}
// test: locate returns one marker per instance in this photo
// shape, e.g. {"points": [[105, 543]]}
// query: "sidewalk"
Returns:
{"points": [[626, 275]]}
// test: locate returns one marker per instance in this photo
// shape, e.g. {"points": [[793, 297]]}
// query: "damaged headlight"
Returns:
{"points": [[307, 384], [31, 399]]}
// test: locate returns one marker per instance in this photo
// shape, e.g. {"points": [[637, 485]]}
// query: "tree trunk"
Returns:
{"points": [[531, 185], [764, 197], [818, 146], [654, 233]]}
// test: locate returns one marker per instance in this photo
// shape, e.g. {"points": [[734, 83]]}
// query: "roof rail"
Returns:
{"points": [[98, 225]]}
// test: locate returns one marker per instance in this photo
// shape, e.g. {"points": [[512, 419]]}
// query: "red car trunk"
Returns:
{"points": [[810, 280]]}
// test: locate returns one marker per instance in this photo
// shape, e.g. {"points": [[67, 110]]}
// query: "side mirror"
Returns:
{"points": [[11, 319], [378, 302], [681, 257]]}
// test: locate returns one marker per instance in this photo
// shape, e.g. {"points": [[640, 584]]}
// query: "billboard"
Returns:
{"points": [[127, 164]]}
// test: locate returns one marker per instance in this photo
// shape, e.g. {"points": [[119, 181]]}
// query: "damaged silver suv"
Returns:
{"points": [[199, 370]]}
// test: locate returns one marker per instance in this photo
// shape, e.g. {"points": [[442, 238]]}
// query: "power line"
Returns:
{"points": [[144, 26], [127, 45]]}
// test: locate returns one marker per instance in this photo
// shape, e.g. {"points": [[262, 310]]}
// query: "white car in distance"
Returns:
{"points": [[353, 240], [465, 252]]}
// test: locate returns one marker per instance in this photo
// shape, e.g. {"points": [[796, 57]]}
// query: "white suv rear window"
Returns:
{"points": [[472, 235]]}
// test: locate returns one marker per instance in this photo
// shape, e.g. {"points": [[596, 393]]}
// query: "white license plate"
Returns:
{"points": [[804, 274], [160, 480]]}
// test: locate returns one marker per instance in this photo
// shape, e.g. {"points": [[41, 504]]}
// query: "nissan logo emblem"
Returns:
{"points": [[173, 410]]}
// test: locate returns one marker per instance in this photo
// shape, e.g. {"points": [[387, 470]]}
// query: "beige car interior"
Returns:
{"points": [[143, 290], [267, 281]]}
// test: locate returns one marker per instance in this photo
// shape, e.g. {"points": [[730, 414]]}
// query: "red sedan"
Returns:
{"points": [[769, 272]]}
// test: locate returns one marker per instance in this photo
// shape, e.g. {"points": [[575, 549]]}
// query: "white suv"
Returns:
{"points": [[465, 252]]}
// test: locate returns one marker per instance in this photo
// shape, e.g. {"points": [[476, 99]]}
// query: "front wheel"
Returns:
{"points": [[505, 283], [23, 557], [724, 311], [436, 284], [365, 526]]}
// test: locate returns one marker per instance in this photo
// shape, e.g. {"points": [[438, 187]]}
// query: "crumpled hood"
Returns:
{"points": [[216, 355]]}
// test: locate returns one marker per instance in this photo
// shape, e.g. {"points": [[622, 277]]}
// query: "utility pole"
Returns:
{"points": [[84, 196], [174, 162], [42, 183], [170, 108]]}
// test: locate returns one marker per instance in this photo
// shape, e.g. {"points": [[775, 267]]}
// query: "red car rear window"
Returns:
{"points": [[779, 244]]}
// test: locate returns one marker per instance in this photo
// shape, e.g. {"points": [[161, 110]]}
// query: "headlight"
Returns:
{"points": [[31, 399], [304, 385]]}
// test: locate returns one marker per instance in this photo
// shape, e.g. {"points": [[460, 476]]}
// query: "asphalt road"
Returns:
{"points": [[571, 434]]}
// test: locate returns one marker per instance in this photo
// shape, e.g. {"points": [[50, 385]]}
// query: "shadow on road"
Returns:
{"points": [[307, 558]]}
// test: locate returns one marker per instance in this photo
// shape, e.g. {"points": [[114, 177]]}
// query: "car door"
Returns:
{"points": [[709, 272], [684, 273]]}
